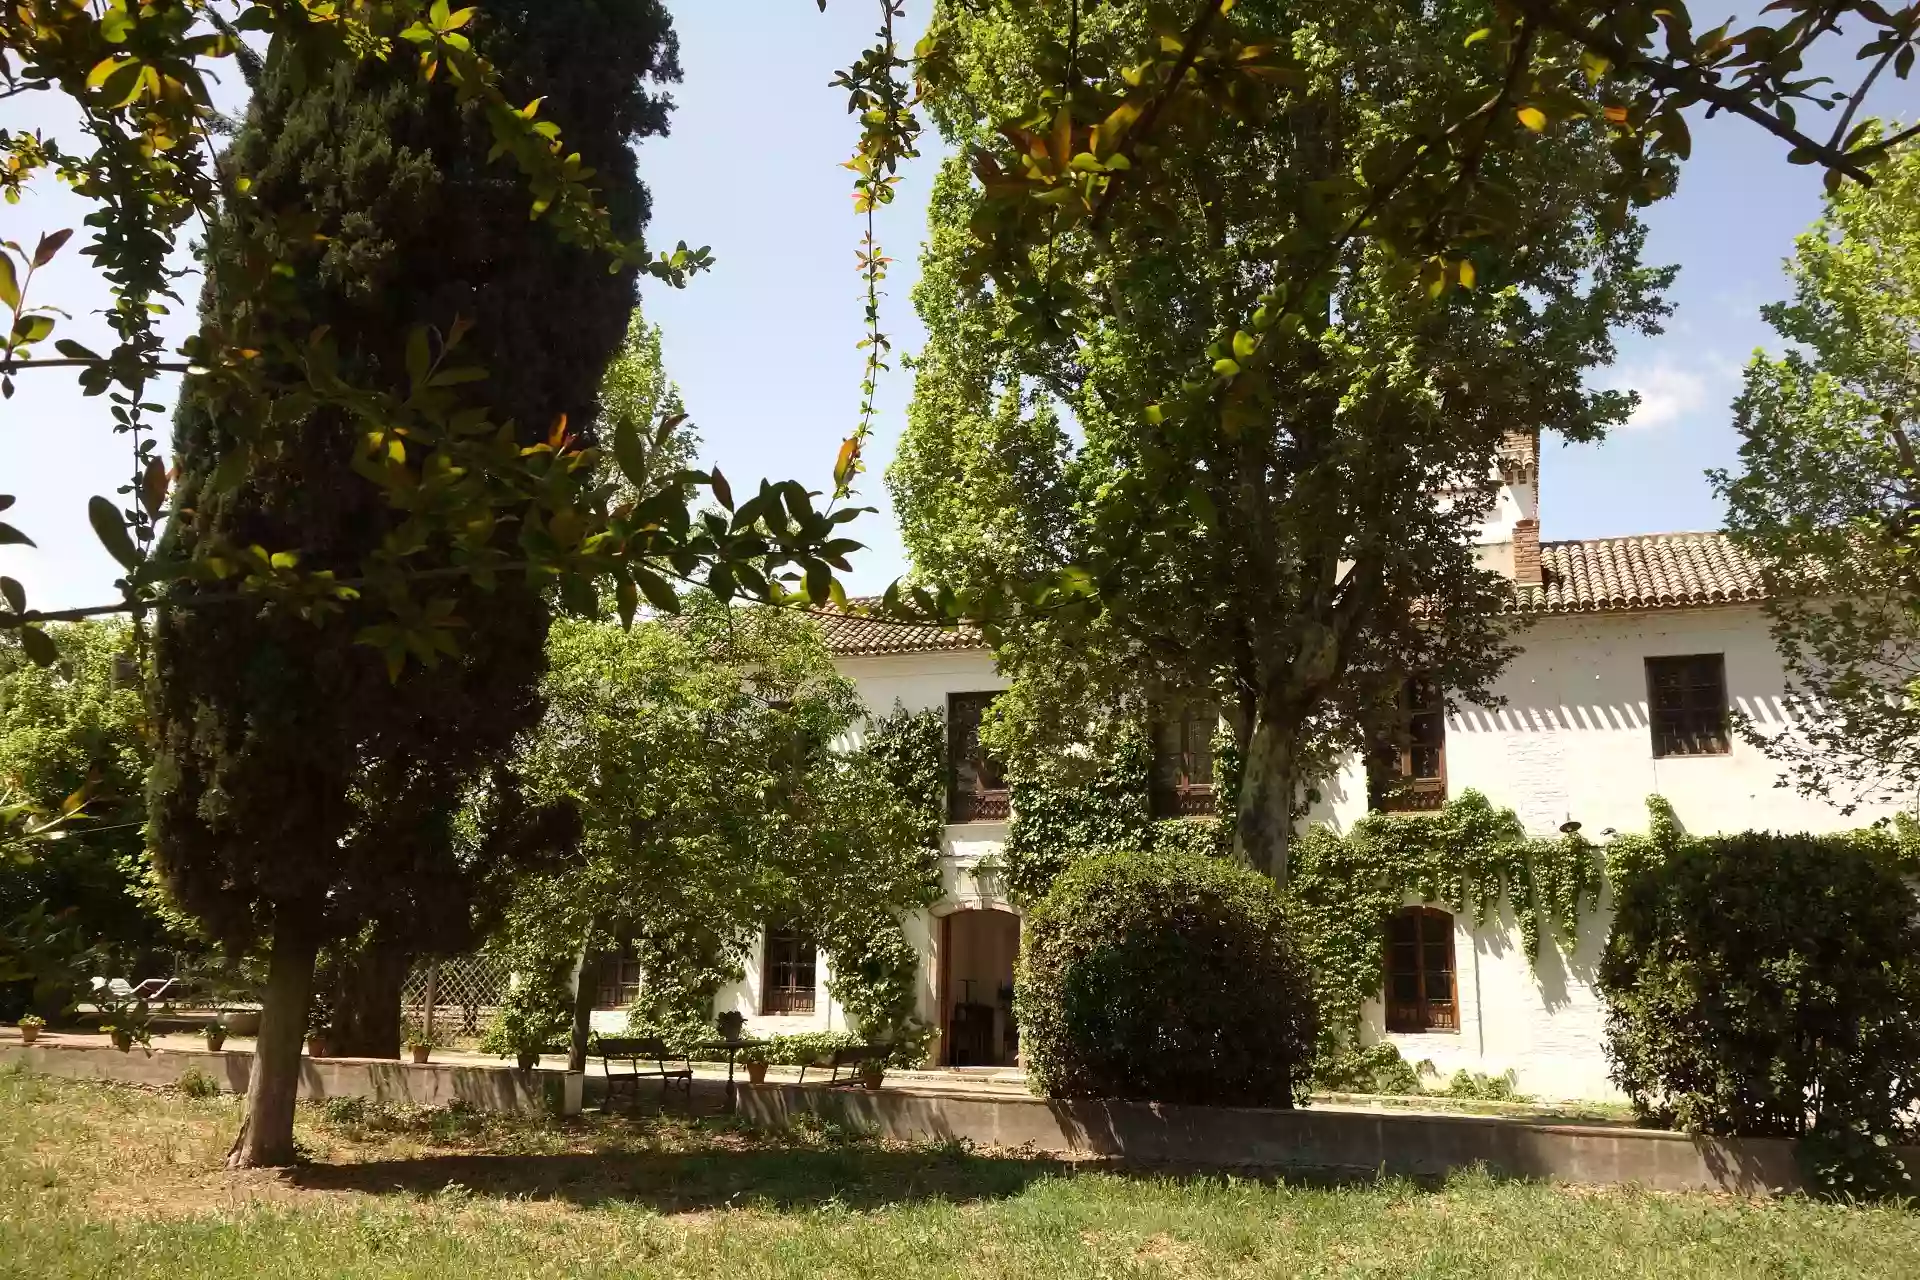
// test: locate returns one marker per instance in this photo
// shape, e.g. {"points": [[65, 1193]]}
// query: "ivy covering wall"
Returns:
{"points": [[875, 967]]}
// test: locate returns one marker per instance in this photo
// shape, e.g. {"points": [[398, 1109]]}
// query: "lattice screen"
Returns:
{"points": [[465, 991]]}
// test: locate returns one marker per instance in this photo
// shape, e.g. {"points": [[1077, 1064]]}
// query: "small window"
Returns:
{"points": [[1408, 771], [1420, 985], [1687, 705], [976, 785], [619, 983], [789, 958], [1183, 760]]}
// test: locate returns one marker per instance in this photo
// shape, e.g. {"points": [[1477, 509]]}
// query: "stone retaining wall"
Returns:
{"points": [[1309, 1140], [434, 1084]]}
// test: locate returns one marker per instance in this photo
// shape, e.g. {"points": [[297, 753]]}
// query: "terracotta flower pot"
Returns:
{"points": [[29, 1034], [123, 1041], [420, 1053], [872, 1076], [529, 1059], [757, 1072], [316, 1047], [215, 1039]]}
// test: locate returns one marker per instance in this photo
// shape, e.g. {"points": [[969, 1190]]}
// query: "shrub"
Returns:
{"points": [[195, 1083], [1376, 1068], [1766, 984], [1171, 978]]}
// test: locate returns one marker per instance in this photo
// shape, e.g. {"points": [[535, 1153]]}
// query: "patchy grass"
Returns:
{"points": [[98, 1180]]}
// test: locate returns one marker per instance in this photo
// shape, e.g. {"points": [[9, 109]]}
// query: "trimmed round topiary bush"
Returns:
{"points": [[1766, 984], [1166, 978]]}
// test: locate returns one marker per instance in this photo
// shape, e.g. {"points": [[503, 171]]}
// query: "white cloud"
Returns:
{"points": [[1668, 393]]}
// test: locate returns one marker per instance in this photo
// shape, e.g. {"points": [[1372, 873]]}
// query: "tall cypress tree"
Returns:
{"points": [[301, 795]]}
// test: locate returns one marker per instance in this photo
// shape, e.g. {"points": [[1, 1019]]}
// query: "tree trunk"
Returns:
{"points": [[586, 981], [1263, 827], [266, 1134], [364, 999]]}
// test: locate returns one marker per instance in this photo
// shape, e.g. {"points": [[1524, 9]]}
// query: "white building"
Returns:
{"points": [[1637, 651]]}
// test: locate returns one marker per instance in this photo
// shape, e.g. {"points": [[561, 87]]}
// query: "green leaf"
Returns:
{"points": [[39, 646], [9, 282], [629, 454], [658, 592], [12, 537], [419, 355], [73, 350], [15, 595], [108, 526], [722, 491]]}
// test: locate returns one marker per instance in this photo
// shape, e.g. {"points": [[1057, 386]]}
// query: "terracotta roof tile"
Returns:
{"points": [[1597, 575], [852, 636], [1647, 571]]}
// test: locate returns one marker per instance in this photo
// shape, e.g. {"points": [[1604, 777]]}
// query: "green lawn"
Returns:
{"points": [[107, 1181]]}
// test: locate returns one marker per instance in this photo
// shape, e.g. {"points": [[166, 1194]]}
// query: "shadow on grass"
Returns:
{"points": [[689, 1182]]}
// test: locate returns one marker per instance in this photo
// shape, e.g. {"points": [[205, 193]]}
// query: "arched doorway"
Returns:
{"points": [[977, 953]]}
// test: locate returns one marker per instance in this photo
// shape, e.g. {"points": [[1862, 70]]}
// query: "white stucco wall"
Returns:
{"points": [[1573, 741]]}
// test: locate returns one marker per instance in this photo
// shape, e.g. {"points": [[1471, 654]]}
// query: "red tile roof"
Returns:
{"points": [[1647, 571], [1597, 575]]}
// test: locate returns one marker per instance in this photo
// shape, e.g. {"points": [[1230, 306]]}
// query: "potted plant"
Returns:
{"points": [[316, 1040], [755, 1059], [216, 1036], [535, 1013], [419, 1044], [30, 1028], [122, 1037]]}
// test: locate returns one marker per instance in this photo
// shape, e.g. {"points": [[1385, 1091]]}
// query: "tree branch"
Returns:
{"points": [[1196, 34], [1860, 96], [1691, 82]]}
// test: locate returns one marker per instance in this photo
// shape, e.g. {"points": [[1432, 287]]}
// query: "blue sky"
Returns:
{"points": [[763, 347]]}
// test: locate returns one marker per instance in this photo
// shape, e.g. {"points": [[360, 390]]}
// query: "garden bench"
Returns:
{"points": [[644, 1058], [852, 1058]]}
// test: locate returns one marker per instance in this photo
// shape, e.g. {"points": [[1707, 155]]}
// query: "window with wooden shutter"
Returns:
{"points": [[1421, 994], [1687, 705], [1183, 760], [789, 959], [1407, 772], [976, 786], [619, 984]]}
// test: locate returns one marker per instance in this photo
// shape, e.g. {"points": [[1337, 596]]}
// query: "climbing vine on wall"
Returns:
{"points": [[874, 966], [1469, 856], [910, 747]]}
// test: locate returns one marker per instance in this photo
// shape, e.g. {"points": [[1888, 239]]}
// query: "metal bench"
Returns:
{"points": [[645, 1058], [851, 1058]]}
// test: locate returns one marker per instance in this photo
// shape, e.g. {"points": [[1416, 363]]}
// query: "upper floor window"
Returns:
{"points": [[1687, 705], [1183, 760], [788, 964], [619, 984], [1408, 770], [1421, 993], [976, 785]]}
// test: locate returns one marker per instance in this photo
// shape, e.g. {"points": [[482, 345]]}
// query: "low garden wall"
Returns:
{"points": [[1310, 1139], [434, 1084]]}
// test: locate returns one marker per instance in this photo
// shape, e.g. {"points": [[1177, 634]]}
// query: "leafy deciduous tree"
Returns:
{"points": [[1827, 499], [1304, 548]]}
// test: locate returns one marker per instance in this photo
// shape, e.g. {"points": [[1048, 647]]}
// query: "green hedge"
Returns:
{"points": [[1165, 977], [1769, 985]]}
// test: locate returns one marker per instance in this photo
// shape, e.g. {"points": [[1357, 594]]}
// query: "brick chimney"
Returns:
{"points": [[1526, 554]]}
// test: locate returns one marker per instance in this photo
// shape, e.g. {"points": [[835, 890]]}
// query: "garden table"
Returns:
{"points": [[733, 1048]]}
